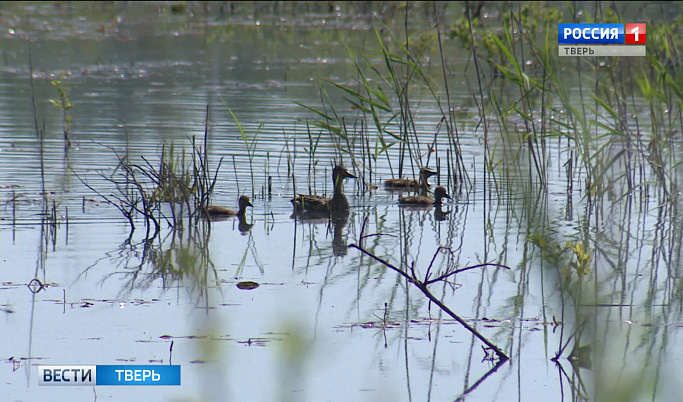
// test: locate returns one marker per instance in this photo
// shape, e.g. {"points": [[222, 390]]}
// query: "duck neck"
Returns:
{"points": [[338, 186], [424, 181]]}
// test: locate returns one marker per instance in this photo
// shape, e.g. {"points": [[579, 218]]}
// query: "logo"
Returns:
{"points": [[590, 33], [607, 40], [67, 375], [635, 34], [109, 375], [601, 34]]}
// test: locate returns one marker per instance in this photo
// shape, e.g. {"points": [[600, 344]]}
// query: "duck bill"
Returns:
{"points": [[348, 175], [429, 172]]}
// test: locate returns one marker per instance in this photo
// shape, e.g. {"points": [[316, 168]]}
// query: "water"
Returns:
{"points": [[326, 322]]}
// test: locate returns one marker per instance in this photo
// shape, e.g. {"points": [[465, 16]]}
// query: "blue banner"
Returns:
{"points": [[590, 34], [138, 375]]}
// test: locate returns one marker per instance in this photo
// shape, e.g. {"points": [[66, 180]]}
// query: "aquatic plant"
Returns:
{"points": [[250, 145], [64, 104], [612, 127], [587, 103], [381, 102], [172, 189]]}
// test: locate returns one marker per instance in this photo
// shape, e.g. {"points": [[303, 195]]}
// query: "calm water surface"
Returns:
{"points": [[325, 323]]}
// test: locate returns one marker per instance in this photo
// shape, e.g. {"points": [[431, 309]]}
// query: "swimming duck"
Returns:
{"points": [[316, 203], [215, 211], [439, 194], [410, 184]]}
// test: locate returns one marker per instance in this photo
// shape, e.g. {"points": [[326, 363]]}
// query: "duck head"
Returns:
{"points": [[425, 174], [243, 202], [440, 193]]}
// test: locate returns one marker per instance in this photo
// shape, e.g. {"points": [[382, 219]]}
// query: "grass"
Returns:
{"points": [[250, 145]]}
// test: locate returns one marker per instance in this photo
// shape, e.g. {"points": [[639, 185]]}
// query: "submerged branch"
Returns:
{"points": [[423, 286]]}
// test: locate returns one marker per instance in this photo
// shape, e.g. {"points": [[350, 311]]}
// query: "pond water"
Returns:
{"points": [[326, 321]]}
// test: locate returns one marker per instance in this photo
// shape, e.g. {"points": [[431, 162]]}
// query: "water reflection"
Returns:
{"points": [[243, 224], [339, 248], [335, 222], [244, 227], [439, 214]]}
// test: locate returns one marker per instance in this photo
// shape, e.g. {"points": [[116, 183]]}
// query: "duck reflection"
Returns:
{"points": [[339, 246], [244, 227], [336, 221], [439, 213]]}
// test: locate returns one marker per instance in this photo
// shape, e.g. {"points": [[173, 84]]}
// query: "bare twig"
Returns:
{"points": [[423, 285]]}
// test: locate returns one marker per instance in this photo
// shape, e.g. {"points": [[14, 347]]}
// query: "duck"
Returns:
{"points": [[410, 184], [439, 194], [318, 204], [215, 211]]}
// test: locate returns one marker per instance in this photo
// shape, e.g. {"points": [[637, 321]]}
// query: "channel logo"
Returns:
{"points": [[634, 34], [109, 375], [601, 34], [602, 40]]}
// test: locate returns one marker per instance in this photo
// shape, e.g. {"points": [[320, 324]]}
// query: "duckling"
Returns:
{"points": [[410, 184], [215, 211], [439, 194], [316, 203]]}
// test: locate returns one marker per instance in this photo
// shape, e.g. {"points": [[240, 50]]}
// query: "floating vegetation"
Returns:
{"points": [[247, 285]]}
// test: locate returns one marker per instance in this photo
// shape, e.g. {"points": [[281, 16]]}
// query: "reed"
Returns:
{"points": [[250, 145], [64, 104], [589, 106], [609, 125], [313, 142], [382, 113]]}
